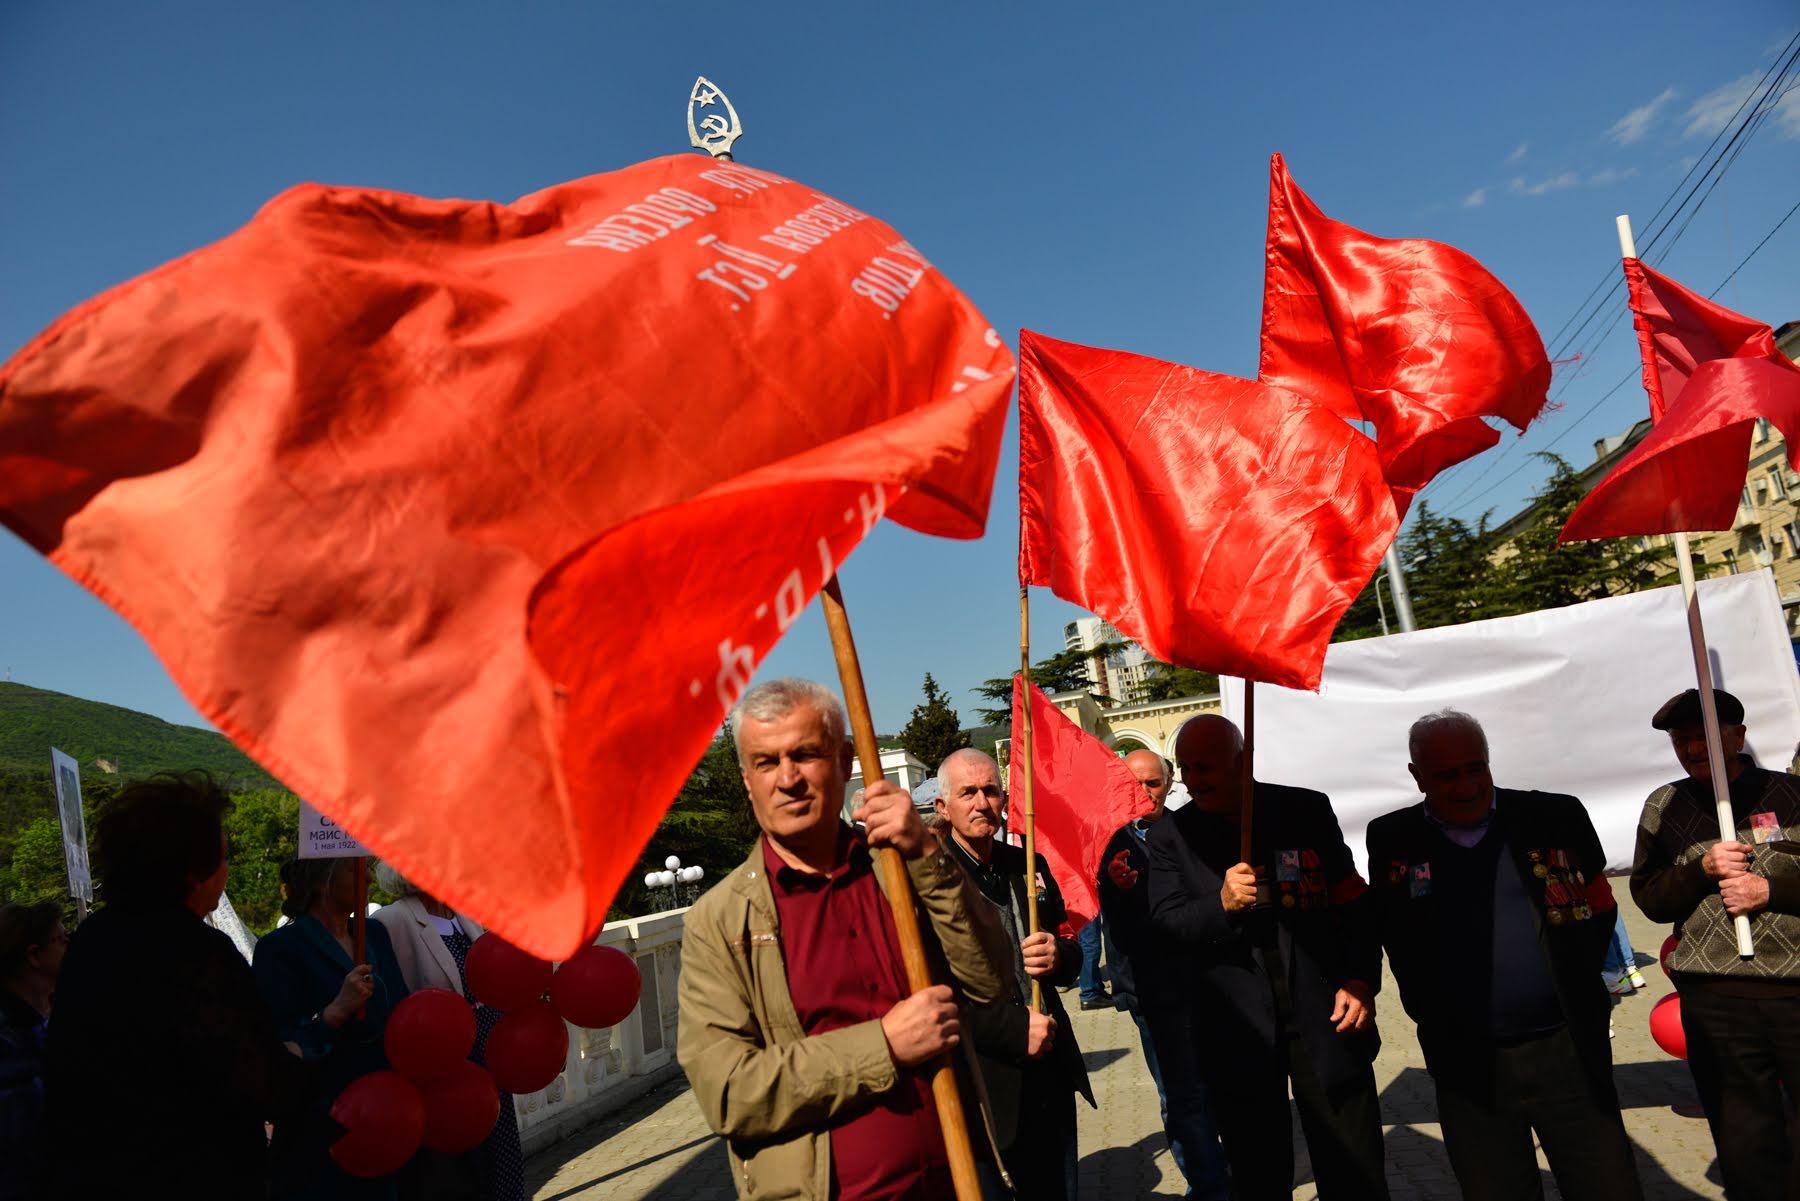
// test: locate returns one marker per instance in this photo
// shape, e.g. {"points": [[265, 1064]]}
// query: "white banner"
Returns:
{"points": [[67, 774], [1566, 697], [322, 838]]}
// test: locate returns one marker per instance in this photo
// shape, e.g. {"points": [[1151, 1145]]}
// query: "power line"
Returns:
{"points": [[1635, 370], [1772, 86]]}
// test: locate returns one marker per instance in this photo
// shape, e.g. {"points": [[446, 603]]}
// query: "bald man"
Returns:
{"points": [[1285, 960], [1152, 981], [1030, 1061]]}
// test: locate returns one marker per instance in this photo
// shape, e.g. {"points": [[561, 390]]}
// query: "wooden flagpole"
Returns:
{"points": [[1031, 904], [1247, 776], [715, 135], [359, 922], [898, 887], [1709, 711]]}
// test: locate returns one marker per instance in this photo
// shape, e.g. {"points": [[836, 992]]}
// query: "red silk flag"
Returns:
{"points": [[1415, 337], [1219, 523], [1710, 374], [470, 521], [1082, 793]]}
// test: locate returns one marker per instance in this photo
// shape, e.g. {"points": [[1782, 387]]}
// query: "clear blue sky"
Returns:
{"points": [[1097, 173]]}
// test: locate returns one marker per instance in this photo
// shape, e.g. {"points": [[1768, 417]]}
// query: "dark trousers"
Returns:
{"points": [[1490, 1105], [1343, 1134], [1744, 1051], [1042, 1159], [1171, 1048]]}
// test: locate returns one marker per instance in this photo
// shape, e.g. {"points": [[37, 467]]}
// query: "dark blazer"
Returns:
{"points": [[1148, 968], [1323, 927], [163, 1063], [299, 969], [1572, 907], [1000, 1030]]}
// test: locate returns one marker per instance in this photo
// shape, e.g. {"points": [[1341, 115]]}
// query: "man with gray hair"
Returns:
{"points": [[1029, 1060], [1496, 914], [806, 1048]]}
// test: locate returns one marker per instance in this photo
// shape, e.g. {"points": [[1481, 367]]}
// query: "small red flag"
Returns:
{"points": [[1710, 374], [1082, 793], [1221, 524], [1412, 336], [470, 520]]}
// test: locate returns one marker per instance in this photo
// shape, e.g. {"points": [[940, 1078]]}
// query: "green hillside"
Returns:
{"points": [[136, 744]]}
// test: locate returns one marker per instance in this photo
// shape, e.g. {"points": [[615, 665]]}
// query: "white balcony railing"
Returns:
{"points": [[607, 1068]]}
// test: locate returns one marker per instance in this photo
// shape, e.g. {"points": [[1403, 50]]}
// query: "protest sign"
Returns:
{"points": [[74, 829]]}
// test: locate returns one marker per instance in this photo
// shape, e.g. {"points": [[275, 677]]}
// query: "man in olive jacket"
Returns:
{"points": [[804, 1044]]}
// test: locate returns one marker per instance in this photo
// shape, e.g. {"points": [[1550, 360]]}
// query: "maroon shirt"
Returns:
{"points": [[844, 967]]}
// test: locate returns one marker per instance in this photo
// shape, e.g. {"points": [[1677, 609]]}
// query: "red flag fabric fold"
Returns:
{"points": [[470, 520], [1220, 523], [1710, 374], [1412, 336], [1082, 793]]}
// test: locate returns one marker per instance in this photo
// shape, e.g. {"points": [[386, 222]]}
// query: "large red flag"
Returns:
{"points": [[1219, 523], [1082, 793], [1710, 374], [1412, 336], [470, 520]]}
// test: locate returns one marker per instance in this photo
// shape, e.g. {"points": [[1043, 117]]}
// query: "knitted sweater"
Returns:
{"points": [[1678, 826]]}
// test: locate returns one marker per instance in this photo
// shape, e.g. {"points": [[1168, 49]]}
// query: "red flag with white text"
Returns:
{"points": [[471, 520], [1082, 793], [1710, 375]]}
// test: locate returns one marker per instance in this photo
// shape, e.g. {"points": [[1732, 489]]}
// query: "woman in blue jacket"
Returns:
{"points": [[300, 968]]}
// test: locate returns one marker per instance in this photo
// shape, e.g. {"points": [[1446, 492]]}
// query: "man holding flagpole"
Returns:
{"points": [[1741, 1016], [1285, 967], [1152, 981], [1030, 1061], [804, 1046]]}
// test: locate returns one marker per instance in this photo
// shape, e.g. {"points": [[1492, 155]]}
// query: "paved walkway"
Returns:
{"points": [[658, 1149]]}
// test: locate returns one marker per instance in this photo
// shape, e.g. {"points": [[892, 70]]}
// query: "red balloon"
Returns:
{"points": [[428, 1034], [596, 987], [1668, 948], [383, 1118], [501, 975], [527, 1048], [1666, 1028], [461, 1109]]}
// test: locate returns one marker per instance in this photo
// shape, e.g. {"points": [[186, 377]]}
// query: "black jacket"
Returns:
{"points": [[1321, 924], [1572, 906], [1000, 1031], [1148, 968], [160, 1039]]}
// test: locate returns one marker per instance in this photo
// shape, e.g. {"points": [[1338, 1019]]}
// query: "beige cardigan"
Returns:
{"points": [[425, 962]]}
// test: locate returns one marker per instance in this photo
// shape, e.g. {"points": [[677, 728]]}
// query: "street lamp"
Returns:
{"points": [[679, 880]]}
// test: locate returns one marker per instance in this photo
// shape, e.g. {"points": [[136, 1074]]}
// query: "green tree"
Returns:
{"points": [[710, 825], [1540, 574], [262, 828], [37, 871], [1449, 577], [934, 730], [1165, 682], [1065, 671]]}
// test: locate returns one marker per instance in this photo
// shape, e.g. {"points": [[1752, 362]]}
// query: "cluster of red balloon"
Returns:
{"points": [[435, 1095], [1665, 1016]]}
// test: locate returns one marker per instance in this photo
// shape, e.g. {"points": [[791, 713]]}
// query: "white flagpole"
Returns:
{"points": [[1709, 710]]}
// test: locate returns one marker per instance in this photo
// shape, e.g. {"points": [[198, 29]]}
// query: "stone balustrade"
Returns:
{"points": [[607, 1068]]}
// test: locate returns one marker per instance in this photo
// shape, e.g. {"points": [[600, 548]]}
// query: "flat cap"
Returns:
{"points": [[1683, 709]]}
